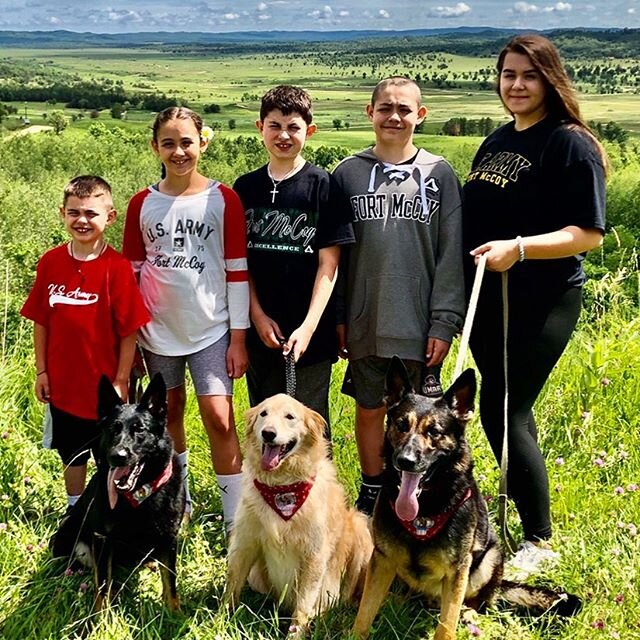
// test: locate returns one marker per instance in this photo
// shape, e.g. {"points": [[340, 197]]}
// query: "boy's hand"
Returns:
{"points": [[341, 334], [237, 359], [269, 331], [42, 387], [122, 389], [436, 351], [298, 342]]}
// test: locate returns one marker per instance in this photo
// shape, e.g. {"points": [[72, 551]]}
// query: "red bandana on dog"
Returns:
{"points": [[423, 528], [285, 499], [138, 496]]}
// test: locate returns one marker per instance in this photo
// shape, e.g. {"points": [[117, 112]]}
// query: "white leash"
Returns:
{"points": [[507, 538]]}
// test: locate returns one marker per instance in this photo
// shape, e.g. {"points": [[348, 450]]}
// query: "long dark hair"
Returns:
{"points": [[561, 100]]}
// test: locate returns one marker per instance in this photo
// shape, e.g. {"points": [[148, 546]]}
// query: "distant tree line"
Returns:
{"points": [[468, 127], [86, 95]]}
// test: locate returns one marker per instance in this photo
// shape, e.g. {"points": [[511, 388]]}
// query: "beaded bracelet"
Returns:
{"points": [[521, 255]]}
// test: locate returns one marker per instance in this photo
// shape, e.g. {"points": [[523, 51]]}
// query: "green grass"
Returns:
{"points": [[588, 418]]}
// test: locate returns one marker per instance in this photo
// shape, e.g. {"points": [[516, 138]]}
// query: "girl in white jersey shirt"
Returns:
{"points": [[186, 238]]}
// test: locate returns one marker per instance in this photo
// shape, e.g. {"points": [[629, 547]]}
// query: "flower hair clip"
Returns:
{"points": [[206, 134]]}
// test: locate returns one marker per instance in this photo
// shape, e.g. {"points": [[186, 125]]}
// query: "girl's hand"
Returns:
{"points": [[42, 387], [436, 351], [237, 359], [298, 342], [269, 331], [501, 254]]}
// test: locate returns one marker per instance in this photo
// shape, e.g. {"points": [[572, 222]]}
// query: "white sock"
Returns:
{"points": [[183, 460], [229, 486], [71, 500]]}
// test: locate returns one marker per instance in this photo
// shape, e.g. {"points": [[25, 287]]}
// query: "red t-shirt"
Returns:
{"points": [[86, 307]]}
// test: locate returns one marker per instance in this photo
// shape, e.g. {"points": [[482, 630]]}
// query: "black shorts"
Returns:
{"points": [[73, 438]]}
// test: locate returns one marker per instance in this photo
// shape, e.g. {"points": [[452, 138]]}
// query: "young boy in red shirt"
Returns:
{"points": [[87, 309]]}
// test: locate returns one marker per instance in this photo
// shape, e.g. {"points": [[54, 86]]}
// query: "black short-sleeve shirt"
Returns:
{"points": [[530, 182], [284, 236]]}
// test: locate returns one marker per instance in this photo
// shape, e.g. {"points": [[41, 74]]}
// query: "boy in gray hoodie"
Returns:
{"points": [[404, 283]]}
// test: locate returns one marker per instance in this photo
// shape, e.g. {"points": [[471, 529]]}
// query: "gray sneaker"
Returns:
{"points": [[529, 560]]}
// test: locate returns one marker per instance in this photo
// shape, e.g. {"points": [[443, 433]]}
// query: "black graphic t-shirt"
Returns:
{"points": [[530, 182], [284, 234]]}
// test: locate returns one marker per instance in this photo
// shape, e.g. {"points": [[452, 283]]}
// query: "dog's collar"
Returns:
{"points": [[136, 497], [424, 528], [285, 499]]}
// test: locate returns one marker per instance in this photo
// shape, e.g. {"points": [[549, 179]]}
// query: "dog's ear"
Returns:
{"points": [[154, 399], [250, 417], [397, 384], [108, 398], [316, 423], [460, 395]]}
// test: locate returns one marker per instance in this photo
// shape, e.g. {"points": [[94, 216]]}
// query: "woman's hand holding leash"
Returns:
{"points": [[501, 254]]}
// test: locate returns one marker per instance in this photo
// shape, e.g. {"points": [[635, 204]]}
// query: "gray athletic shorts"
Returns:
{"points": [[368, 377], [208, 369]]}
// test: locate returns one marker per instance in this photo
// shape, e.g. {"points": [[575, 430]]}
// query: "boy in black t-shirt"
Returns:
{"points": [[296, 222]]}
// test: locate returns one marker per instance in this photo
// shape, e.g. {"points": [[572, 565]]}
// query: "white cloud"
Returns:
{"points": [[231, 16], [559, 6], [264, 16], [450, 12], [54, 20], [123, 15], [631, 11], [343, 14], [385, 15], [262, 6], [525, 7], [326, 13]]}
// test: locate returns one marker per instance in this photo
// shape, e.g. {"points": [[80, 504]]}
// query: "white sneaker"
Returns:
{"points": [[528, 560]]}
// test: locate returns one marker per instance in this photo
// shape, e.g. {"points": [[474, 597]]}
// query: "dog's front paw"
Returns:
{"points": [[444, 633]]}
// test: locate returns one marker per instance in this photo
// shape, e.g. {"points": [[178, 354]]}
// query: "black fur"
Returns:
{"points": [[121, 538]]}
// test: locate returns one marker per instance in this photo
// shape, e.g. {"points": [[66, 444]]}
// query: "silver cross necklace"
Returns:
{"points": [[275, 182]]}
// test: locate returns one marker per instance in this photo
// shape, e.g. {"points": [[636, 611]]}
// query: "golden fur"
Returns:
{"points": [[319, 556]]}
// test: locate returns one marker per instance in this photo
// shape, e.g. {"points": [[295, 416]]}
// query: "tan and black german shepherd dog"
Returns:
{"points": [[430, 523]]}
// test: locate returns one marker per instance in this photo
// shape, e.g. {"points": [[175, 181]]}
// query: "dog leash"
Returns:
{"points": [[505, 534], [289, 370]]}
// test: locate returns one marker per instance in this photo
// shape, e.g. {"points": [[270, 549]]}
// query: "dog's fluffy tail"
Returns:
{"points": [[539, 600]]}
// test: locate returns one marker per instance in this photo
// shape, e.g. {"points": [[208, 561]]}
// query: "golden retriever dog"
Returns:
{"points": [[294, 536]]}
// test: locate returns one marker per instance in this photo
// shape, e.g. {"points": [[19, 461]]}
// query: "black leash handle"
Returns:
{"points": [[289, 370]]}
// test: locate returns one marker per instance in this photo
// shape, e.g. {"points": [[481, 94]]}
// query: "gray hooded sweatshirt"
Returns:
{"points": [[404, 279]]}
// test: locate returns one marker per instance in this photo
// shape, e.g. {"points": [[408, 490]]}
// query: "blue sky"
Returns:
{"points": [[119, 16]]}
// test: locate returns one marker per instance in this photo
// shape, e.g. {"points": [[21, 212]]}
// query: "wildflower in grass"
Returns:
{"points": [[615, 634], [619, 599], [632, 529], [293, 628], [598, 624], [29, 547], [27, 480], [616, 551], [632, 487], [559, 461], [348, 436], [5, 435], [474, 630], [605, 382], [586, 415], [3, 526], [572, 516], [598, 462], [620, 524], [4, 497], [68, 572], [558, 487], [83, 587], [622, 454], [618, 491]]}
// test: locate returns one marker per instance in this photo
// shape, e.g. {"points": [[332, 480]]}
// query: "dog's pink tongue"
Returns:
{"points": [[271, 457], [407, 500], [114, 475]]}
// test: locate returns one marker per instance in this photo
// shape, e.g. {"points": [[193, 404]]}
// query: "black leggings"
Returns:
{"points": [[539, 328]]}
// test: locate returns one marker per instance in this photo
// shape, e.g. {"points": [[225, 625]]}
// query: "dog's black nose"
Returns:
{"points": [[407, 460], [268, 435], [118, 458]]}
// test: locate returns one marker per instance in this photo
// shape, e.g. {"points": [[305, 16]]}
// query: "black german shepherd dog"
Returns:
{"points": [[430, 523], [132, 508]]}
